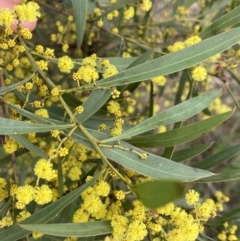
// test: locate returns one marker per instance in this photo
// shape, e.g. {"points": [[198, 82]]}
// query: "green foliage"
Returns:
{"points": [[100, 103]]}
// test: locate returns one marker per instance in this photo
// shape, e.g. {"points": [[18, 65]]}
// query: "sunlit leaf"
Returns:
{"points": [[154, 194]]}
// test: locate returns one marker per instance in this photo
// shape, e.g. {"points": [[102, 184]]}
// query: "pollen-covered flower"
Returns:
{"points": [[192, 197], [6, 17], [176, 46], [102, 189], [44, 169], [159, 80], [23, 215], [42, 113], [74, 173], [111, 70], [146, 5], [25, 194], [192, 40], [65, 64], [113, 106], [199, 73], [137, 230], [27, 12], [42, 195], [129, 13]]}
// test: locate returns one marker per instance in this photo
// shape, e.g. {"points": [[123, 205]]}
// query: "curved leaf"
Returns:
{"points": [[176, 113], [28, 145], [225, 176], [180, 135], [84, 229], [5, 89], [176, 61], [154, 166], [154, 194], [188, 153], [80, 16], [218, 157], [223, 22], [12, 127]]}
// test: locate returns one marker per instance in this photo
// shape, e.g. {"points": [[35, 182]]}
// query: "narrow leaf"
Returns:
{"points": [[93, 103], [176, 113], [15, 232], [154, 166], [12, 127], [80, 16], [231, 216], [224, 176], [84, 229], [218, 158], [154, 194], [188, 153], [5, 89], [28, 145], [176, 61], [115, 6], [227, 20], [180, 135]]}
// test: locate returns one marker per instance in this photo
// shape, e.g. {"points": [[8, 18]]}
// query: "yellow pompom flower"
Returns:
{"points": [[176, 46], [25, 194], [146, 5], [22, 215], [192, 197], [111, 70], [159, 80], [113, 106], [129, 13], [74, 173], [199, 73], [42, 113], [192, 40], [102, 189], [44, 169], [28, 12], [100, 23], [115, 30], [10, 146], [6, 17], [65, 64], [119, 225], [42, 195], [137, 230]]}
